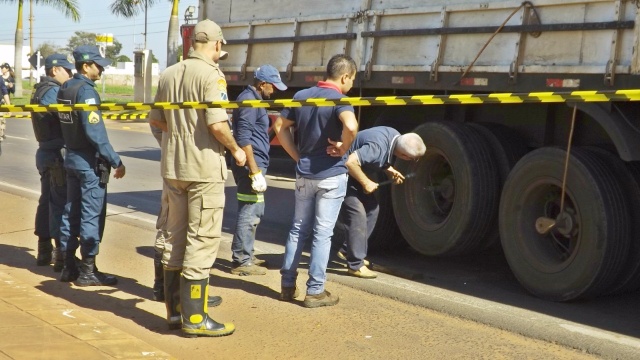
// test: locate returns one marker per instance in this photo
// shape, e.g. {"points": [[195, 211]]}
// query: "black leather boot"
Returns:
{"points": [[105, 279], [44, 251], [195, 317], [172, 298], [58, 260], [88, 276], [70, 270], [158, 281]]}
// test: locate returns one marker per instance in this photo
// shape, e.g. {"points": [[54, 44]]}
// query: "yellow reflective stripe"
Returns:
{"points": [[256, 198]]}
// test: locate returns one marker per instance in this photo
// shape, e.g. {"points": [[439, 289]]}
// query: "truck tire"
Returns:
{"points": [[448, 207], [630, 273], [507, 147], [583, 256]]}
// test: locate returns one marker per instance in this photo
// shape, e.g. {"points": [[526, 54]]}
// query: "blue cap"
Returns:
{"points": [[87, 53], [57, 60], [271, 75]]}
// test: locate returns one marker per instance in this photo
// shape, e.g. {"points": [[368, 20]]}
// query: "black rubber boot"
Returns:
{"points": [[172, 298], [89, 277], [195, 317], [70, 270], [44, 251], [158, 281]]}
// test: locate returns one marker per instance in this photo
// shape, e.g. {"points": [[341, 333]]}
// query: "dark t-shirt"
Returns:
{"points": [[314, 125], [374, 147]]}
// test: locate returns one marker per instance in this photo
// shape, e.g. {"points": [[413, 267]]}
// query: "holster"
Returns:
{"points": [[57, 174], [103, 169]]}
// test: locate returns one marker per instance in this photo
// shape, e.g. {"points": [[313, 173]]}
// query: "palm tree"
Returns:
{"points": [[130, 8], [68, 7], [173, 35]]}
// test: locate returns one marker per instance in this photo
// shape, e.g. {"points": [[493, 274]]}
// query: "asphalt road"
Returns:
{"points": [[479, 288]]}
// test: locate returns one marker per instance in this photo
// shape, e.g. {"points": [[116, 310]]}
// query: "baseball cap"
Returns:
{"points": [[58, 60], [207, 30], [6, 66], [271, 75], [87, 53]]}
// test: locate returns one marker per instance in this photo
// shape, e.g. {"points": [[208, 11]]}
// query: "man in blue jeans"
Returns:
{"points": [[251, 131], [321, 178]]}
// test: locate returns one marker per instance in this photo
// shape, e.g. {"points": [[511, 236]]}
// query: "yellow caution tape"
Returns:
{"points": [[135, 116], [464, 99]]}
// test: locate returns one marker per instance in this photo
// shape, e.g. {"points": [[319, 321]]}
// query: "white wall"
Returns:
{"points": [[7, 53]]}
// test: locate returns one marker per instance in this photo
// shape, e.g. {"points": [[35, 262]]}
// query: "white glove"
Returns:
{"points": [[258, 182]]}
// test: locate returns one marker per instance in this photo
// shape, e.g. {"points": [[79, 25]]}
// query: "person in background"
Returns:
{"points": [[50, 161], [88, 163], [373, 150], [9, 78], [251, 131], [321, 178], [194, 171]]}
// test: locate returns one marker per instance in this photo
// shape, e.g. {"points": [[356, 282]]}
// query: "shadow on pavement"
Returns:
{"points": [[96, 298]]}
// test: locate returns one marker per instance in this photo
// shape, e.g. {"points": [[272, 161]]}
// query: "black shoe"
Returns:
{"points": [[70, 268], [90, 277], [58, 260], [214, 301]]}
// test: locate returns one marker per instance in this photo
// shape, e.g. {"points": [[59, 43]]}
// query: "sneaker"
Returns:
{"points": [[364, 273], [289, 293], [247, 270], [343, 255], [322, 299]]}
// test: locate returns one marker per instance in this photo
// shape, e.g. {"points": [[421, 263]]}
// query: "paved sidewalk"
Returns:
{"points": [[36, 325]]}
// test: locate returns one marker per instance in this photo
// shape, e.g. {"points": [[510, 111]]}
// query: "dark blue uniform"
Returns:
{"points": [[359, 211], [49, 162], [250, 127], [87, 144]]}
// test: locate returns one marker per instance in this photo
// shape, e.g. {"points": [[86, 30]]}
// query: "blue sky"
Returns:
{"points": [[50, 25]]}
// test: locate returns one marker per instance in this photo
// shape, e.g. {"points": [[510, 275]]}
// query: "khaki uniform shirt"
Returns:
{"points": [[189, 151]]}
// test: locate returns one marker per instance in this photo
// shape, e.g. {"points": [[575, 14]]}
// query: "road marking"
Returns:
{"points": [[17, 137], [109, 212]]}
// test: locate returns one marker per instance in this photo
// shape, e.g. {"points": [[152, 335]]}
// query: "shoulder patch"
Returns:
{"points": [[222, 84], [93, 118], [90, 101]]}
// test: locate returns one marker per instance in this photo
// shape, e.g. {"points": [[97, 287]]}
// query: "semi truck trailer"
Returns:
{"points": [[555, 184]]}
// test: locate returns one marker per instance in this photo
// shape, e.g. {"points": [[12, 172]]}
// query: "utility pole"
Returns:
{"points": [[30, 40], [146, 6]]}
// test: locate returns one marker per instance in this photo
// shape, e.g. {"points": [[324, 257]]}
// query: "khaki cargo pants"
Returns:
{"points": [[194, 224]]}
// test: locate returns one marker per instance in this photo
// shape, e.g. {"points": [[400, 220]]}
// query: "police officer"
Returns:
{"points": [[49, 160], [88, 162]]}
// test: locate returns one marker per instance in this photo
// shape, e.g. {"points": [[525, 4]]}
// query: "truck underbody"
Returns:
{"points": [[556, 185]]}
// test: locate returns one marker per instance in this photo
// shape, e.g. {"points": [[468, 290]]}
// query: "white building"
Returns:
{"points": [[7, 54]]}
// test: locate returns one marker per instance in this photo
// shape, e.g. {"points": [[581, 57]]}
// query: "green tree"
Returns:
{"points": [[123, 58], [47, 48], [88, 38], [68, 7]]}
